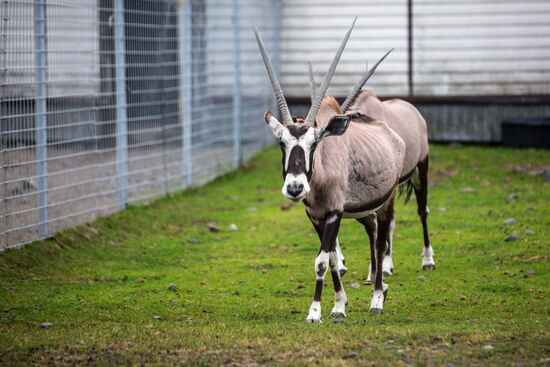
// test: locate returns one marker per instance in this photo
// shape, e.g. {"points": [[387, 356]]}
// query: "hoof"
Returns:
{"points": [[314, 321], [387, 273], [428, 267], [343, 271], [376, 311]]}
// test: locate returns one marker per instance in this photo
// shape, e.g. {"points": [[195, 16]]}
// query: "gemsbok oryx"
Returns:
{"points": [[339, 166], [409, 124]]}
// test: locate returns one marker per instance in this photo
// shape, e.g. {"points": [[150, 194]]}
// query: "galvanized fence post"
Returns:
{"points": [[41, 135], [186, 87], [237, 98], [121, 113]]}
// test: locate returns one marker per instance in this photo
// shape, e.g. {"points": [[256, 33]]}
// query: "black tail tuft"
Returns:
{"points": [[407, 189]]}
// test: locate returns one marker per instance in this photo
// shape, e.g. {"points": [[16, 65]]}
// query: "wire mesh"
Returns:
{"points": [[108, 102]]}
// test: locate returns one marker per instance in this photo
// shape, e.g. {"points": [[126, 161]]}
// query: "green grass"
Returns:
{"points": [[243, 296]]}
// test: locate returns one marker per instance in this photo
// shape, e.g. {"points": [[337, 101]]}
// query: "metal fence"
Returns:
{"points": [[108, 102]]}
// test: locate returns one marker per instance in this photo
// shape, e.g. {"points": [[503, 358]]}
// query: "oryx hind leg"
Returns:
{"points": [[384, 217], [370, 224], [342, 269], [387, 266], [419, 180]]}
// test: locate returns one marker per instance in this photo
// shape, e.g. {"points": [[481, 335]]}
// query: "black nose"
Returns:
{"points": [[295, 189]]}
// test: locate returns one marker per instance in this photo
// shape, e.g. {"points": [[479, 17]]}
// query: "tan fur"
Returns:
{"points": [[404, 119], [356, 170]]}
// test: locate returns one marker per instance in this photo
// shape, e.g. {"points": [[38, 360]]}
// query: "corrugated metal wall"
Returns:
{"points": [[460, 47], [464, 47], [313, 29]]}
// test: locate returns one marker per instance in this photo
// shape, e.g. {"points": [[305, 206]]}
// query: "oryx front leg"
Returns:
{"points": [[321, 267], [327, 229]]}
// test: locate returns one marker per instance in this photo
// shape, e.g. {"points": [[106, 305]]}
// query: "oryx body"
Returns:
{"points": [[408, 123], [339, 166]]}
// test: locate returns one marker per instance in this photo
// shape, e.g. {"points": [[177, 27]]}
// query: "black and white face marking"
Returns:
{"points": [[298, 143], [297, 146]]}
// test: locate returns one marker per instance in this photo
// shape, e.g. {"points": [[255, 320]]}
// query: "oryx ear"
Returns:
{"points": [[336, 126], [274, 124]]}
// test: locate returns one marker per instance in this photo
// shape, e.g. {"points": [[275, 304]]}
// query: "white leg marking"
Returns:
{"points": [[340, 298], [314, 315], [342, 269], [377, 303], [428, 258]]}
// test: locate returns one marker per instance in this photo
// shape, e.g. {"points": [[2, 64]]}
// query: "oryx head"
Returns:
{"points": [[299, 138]]}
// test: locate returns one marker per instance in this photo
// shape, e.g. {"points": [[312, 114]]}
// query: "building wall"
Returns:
{"points": [[460, 47]]}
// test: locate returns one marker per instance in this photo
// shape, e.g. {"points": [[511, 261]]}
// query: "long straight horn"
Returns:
{"points": [[312, 83], [357, 89], [310, 119], [281, 101]]}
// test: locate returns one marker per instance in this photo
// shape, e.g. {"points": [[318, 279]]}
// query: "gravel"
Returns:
{"points": [[510, 221], [213, 227], [172, 287], [421, 278], [513, 237]]}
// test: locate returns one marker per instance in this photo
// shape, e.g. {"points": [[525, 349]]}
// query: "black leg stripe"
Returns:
{"points": [[318, 290]]}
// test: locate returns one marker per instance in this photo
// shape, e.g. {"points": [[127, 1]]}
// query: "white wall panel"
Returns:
{"points": [[462, 47]]}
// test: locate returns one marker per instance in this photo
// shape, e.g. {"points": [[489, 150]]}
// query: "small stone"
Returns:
{"points": [[157, 317], [252, 209], [400, 351], [390, 341], [172, 287], [213, 227], [442, 210], [354, 285], [487, 347], [512, 196], [233, 227], [46, 325], [513, 237], [286, 206], [462, 297], [510, 221], [421, 278], [467, 190], [350, 355], [194, 241], [529, 231], [531, 273], [190, 320]]}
